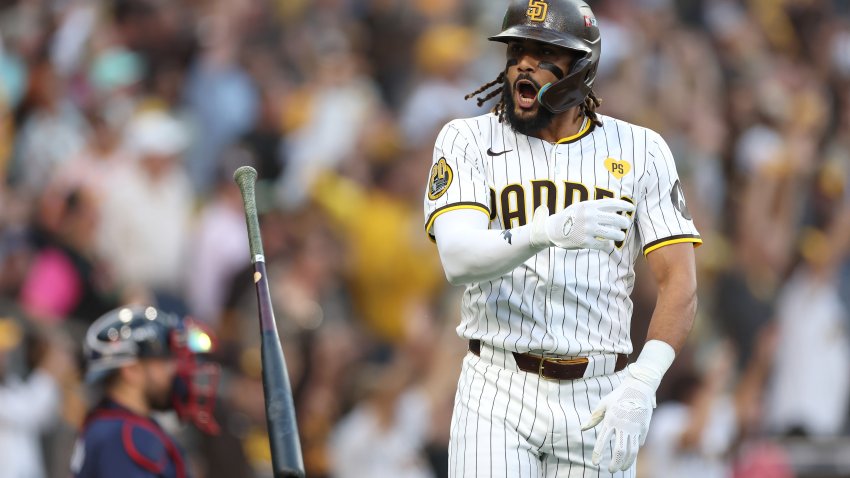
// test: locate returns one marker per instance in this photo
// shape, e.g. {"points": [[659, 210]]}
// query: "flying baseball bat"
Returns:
{"points": [[280, 409]]}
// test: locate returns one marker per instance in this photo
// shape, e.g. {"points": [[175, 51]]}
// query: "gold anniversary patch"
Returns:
{"points": [[441, 179]]}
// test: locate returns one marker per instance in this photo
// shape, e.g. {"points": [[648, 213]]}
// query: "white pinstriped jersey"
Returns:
{"points": [[562, 302]]}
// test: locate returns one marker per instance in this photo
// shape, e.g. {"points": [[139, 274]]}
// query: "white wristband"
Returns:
{"points": [[653, 362]]}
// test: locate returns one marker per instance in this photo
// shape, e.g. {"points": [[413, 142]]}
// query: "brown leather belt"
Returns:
{"points": [[552, 368]]}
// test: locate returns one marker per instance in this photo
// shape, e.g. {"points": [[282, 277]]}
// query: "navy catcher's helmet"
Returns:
{"points": [[128, 334], [124, 335], [567, 24]]}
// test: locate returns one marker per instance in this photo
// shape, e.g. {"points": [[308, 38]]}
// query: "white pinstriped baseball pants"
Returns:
{"points": [[508, 423]]}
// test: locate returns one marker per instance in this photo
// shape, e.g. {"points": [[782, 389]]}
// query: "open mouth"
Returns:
{"points": [[526, 93]]}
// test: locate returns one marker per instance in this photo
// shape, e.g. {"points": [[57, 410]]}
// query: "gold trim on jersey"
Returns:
{"points": [[682, 238], [585, 128], [452, 207]]}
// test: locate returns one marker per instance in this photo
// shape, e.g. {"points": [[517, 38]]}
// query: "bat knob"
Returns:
{"points": [[245, 175]]}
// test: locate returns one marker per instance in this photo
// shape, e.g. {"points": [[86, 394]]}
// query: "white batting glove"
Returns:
{"points": [[585, 225], [626, 411]]}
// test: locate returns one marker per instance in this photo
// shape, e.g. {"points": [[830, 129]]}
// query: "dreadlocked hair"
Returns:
{"points": [[588, 108], [499, 108]]}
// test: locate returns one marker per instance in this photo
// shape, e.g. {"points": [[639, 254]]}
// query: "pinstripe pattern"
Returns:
{"points": [[569, 303], [507, 423], [560, 302]]}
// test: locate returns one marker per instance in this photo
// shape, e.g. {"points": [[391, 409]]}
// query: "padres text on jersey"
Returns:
{"points": [[565, 302]]}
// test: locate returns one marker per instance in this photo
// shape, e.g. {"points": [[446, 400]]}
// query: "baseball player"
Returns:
{"points": [[146, 361], [540, 208]]}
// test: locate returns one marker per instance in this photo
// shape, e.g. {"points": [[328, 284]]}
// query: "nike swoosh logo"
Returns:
{"points": [[491, 153]]}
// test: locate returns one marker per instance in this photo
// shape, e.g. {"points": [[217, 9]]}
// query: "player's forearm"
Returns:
{"points": [[675, 272], [471, 254], [675, 310], [474, 256], [674, 269]]}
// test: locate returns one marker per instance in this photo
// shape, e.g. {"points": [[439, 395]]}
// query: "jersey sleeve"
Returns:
{"points": [[456, 179], [662, 214]]}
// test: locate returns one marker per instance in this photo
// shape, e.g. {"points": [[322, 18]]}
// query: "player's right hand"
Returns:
{"points": [[592, 224]]}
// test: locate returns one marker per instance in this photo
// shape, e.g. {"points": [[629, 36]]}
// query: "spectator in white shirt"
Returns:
{"points": [[28, 406], [147, 208]]}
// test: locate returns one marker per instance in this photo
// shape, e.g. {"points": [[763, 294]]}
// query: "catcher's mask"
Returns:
{"points": [[127, 334], [567, 24]]}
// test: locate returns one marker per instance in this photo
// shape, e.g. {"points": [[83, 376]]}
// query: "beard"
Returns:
{"points": [[160, 399], [161, 402], [541, 119]]}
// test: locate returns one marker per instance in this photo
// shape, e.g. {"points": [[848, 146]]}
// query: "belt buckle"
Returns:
{"points": [[541, 371], [566, 361]]}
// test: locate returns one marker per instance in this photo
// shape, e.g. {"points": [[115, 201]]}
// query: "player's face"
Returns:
{"points": [[530, 66], [159, 380]]}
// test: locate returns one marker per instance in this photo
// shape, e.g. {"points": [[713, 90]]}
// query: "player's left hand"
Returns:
{"points": [[625, 415]]}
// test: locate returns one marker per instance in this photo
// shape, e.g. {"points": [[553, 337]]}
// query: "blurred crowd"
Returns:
{"points": [[122, 121]]}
